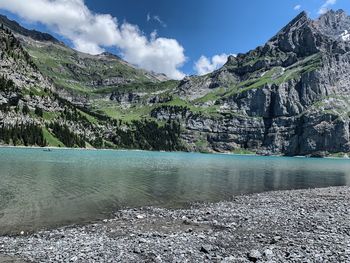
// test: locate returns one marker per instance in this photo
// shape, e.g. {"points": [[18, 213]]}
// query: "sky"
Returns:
{"points": [[177, 38]]}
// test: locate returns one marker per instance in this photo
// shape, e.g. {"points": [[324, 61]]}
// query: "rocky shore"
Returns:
{"points": [[285, 226]]}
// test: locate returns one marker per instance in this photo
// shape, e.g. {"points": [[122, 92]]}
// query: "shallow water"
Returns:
{"points": [[40, 189]]}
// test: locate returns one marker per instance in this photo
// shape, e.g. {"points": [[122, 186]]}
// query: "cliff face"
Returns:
{"points": [[20, 79], [290, 96]]}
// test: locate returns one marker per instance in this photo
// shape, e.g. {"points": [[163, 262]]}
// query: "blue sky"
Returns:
{"points": [[199, 28]]}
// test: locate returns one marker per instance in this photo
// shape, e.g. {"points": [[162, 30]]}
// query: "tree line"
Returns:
{"points": [[149, 135], [66, 136], [26, 134]]}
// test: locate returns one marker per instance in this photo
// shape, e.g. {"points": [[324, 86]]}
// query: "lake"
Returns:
{"points": [[40, 189]]}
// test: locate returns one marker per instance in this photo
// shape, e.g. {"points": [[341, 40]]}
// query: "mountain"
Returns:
{"points": [[289, 96], [36, 109]]}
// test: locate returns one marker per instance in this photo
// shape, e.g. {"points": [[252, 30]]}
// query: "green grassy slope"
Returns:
{"points": [[82, 72]]}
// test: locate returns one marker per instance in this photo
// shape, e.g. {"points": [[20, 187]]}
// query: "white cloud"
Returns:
{"points": [[207, 65], [90, 33], [160, 21], [157, 19], [325, 7], [297, 7]]}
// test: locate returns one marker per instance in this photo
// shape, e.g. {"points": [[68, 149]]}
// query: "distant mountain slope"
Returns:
{"points": [[88, 80], [82, 72], [36, 35], [34, 112], [73, 69]]}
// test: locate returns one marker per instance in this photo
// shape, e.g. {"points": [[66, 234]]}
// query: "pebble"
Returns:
{"points": [[275, 239], [205, 249], [254, 255], [268, 253]]}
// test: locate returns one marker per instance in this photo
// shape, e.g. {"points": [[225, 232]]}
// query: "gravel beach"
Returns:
{"points": [[284, 226]]}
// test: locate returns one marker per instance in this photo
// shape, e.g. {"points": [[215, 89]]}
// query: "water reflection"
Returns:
{"points": [[44, 189]]}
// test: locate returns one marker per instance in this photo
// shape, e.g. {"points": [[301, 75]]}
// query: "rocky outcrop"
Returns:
{"points": [[195, 87], [165, 113], [125, 98]]}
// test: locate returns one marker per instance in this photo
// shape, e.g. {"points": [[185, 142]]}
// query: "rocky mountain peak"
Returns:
{"points": [[296, 23], [304, 37], [334, 24], [299, 19], [332, 18], [298, 36], [109, 55]]}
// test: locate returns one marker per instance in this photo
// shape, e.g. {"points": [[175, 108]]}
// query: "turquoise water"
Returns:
{"points": [[40, 189]]}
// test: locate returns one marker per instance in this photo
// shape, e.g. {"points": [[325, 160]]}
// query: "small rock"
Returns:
{"points": [[186, 222], [275, 239], [205, 249], [254, 255], [73, 259], [137, 250], [158, 259], [268, 253]]}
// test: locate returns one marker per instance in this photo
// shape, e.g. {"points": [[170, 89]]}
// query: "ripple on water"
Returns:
{"points": [[46, 189]]}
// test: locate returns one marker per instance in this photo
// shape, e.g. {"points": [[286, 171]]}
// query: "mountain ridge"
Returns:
{"points": [[290, 96], [36, 35]]}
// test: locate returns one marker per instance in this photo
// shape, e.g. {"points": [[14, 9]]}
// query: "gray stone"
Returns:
{"points": [[254, 255]]}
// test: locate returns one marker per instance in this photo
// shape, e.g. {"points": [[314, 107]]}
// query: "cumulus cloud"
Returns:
{"points": [[325, 7], [91, 32], [205, 65], [297, 7]]}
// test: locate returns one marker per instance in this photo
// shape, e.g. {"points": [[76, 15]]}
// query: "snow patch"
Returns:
{"points": [[345, 36]]}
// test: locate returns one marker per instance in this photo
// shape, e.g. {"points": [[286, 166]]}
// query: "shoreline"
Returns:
{"points": [[136, 150], [292, 225]]}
